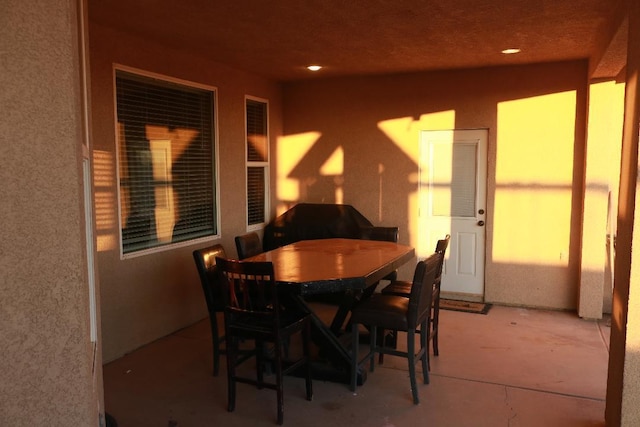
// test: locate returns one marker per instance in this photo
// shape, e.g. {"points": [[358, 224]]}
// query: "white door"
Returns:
{"points": [[452, 201]]}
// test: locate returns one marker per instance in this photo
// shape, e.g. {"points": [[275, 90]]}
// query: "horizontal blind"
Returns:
{"points": [[256, 131], [256, 190], [455, 192], [257, 160], [166, 161]]}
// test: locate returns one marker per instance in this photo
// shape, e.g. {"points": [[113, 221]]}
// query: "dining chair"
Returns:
{"points": [[403, 288], [411, 315], [347, 302], [387, 234], [253, 312], [210, 280], [248, 245]]}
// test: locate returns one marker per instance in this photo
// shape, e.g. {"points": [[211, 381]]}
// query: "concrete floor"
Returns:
{"points": [[513, 367]]}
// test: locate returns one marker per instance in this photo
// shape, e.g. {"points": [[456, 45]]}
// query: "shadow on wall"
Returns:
{"points": [[359, 145]]}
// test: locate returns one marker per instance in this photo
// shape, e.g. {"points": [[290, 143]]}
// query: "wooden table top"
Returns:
{"points": [[334, 265]]}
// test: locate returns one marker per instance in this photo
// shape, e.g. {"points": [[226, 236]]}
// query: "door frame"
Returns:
{"points": [[466, 255]]}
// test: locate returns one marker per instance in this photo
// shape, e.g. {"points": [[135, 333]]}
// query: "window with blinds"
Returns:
{"points": [[257, 146], [165, 133]]}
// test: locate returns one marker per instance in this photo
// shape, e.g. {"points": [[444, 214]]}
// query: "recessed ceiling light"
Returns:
{"points": [[314, 67], [511, 51]]}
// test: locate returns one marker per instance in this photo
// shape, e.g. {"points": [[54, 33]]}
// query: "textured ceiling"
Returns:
{"points": [[354, 37]]}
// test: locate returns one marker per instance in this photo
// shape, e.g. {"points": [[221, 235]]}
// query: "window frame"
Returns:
{"points": [[215, 155], [266, 165]]}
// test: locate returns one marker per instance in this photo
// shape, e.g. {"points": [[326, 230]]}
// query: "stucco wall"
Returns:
{"points": [[536, 121], [150, 296], [46, 362], [606, 102], [623, 384]]}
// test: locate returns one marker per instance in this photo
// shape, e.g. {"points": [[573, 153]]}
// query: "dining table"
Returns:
{"points": [[347, 268]]}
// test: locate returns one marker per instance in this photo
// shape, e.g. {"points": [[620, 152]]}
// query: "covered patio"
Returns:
{"points": [[512, 366]]}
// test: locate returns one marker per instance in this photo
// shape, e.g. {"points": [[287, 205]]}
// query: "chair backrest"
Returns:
{"points": [[441, 248], [205, 259], [421, 295], [387, 234], [250, 292], [248, 245]]}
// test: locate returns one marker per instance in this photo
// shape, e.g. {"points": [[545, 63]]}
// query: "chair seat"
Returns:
{"points": [[389, 311], [399, 288], [249, 325], [391, 276]]}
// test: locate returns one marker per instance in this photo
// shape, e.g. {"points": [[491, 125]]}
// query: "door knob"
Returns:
{"points": [[480, 223]]}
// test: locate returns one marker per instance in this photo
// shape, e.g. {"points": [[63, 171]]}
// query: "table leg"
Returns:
{"points": [[344, 308], [335, 351], [352, 298]]}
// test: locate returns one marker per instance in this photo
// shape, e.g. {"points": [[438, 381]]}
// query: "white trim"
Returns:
{"points": [[163, 248], [88, 213], [87, 174], [161, 77], [266, 165], [216, 178]]}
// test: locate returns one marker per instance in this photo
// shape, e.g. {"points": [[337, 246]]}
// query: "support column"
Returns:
{"points": [[606, 109], [623, 384], [47, 355]]}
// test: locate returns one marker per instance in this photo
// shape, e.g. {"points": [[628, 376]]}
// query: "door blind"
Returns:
{"points": [[166, 159]]}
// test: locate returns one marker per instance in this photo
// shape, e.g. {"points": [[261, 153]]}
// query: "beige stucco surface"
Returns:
{"points": [[46, 362], [535, 116], [623, 385], [150, 296], [606, 103]]}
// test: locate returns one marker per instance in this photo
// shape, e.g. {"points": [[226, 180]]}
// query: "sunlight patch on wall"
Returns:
{"points": [[334, 166], [534, 175], [105, 200], [405, 131], [440, 120], [415, 238], [606, 105], [290, 150], [400, 132]]}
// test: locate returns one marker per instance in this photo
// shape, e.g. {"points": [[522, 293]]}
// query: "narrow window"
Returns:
{"points": [[166, 161], [257, 146]]}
